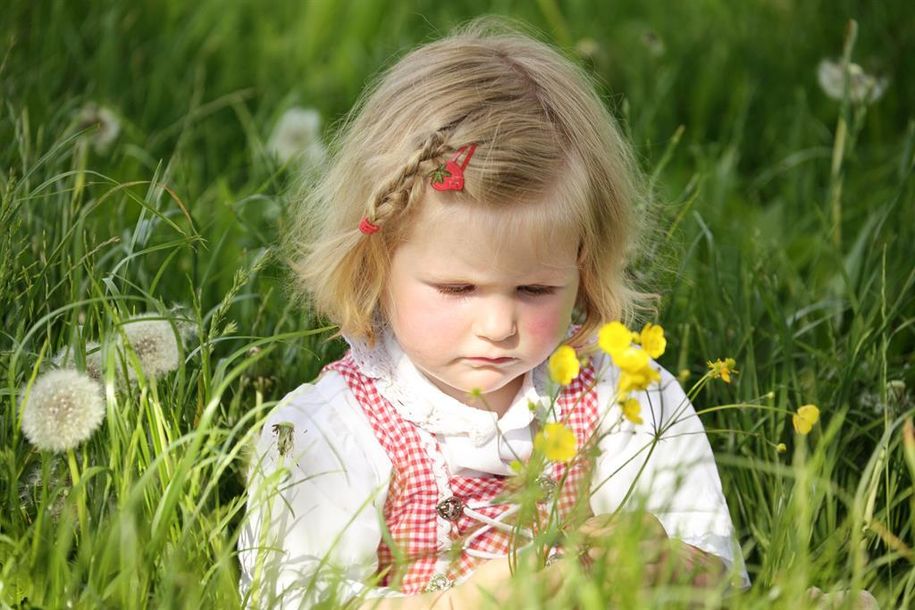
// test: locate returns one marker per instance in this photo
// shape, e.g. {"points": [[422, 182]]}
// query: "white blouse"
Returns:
{"points": [[320, 477]]}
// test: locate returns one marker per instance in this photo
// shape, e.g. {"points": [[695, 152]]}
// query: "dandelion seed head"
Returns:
{"points": [[108, 126], [155, 344], [588, 48], [863, 88], [896, 392], [297, 136], [63, 409], [66, 359], [653, 42]]}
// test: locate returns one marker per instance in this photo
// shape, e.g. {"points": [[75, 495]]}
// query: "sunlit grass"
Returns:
{"points": [[783, 239]]}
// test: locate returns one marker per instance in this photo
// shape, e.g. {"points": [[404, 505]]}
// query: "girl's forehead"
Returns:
{"points": [[514, 238]]}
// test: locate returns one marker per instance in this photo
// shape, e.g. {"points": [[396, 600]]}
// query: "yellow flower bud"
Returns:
{"points": [[722, 369]]}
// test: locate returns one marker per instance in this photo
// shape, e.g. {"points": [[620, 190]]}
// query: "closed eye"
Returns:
{"points": [[455, 289], [537, 290]]}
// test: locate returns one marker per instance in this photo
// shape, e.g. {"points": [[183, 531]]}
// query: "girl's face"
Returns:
{"points": [[476, 302]]}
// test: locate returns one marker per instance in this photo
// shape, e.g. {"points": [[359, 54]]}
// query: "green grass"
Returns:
{"points": [[181, 216]]}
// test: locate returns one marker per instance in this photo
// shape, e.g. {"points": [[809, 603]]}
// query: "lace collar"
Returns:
{"points": [[418, 400]]}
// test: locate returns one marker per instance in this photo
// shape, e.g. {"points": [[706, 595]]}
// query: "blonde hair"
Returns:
{"points": [[541, 131]]}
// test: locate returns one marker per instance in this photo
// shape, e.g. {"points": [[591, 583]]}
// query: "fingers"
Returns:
{"points": [[671, 560]]}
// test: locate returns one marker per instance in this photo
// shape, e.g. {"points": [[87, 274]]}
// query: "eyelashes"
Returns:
{"points": [[468, 289], [537, 290], [455, 289]]}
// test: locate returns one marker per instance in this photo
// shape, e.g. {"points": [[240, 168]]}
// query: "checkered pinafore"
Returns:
{"points": [[443, 526]]}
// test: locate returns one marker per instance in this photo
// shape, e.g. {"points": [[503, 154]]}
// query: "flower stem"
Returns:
{"points": [[75, 478]]}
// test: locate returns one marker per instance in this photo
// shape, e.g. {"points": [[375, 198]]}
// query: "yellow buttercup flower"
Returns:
{"points": [[614, 337], [637, 380], [632, 410], [557, 442], [563, 365], [652, 340], [805, 418], [781, 447], [723, 369], [631, 359]]}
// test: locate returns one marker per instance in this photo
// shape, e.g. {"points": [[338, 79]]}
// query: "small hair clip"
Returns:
{"points": [[450, 176], [367, 226]]}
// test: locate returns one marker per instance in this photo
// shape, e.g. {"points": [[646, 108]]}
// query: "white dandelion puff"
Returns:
{"points": [[154, 342], [66, 358], [297, 137], [862, 87], [63, 409], [588, 48], [106, 122], [654, 43]]}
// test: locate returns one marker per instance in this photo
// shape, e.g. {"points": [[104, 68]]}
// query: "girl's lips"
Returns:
{"points": [[502, 360]]}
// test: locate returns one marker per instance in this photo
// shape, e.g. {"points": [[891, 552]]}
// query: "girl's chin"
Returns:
{"points": [[489, 384], [481, 383]]}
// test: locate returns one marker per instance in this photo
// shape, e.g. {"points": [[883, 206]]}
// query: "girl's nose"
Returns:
{"points": [[496, 319]]}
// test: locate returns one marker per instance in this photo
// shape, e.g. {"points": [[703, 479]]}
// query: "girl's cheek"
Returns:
{"points": [[547, 325], [424, 309]]}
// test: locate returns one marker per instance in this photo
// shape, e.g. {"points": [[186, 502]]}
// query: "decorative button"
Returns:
{"points": [[439, 582], [450, 509]]}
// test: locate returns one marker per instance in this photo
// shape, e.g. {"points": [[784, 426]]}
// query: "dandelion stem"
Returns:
{"points": [[79, 491], [838, 145]]}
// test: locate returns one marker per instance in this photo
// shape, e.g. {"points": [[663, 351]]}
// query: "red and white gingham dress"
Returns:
{"points": [[427, 546]]}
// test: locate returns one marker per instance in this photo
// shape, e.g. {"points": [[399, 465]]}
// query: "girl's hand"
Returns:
{"points": [[666, 559], [490, 586], [491, 583]]}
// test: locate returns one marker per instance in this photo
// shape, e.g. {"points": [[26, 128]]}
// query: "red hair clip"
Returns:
{"points": [[450, 176], [367, 226]]}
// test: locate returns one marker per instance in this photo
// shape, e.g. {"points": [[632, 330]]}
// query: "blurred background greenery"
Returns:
{"points": [[785, 240]]}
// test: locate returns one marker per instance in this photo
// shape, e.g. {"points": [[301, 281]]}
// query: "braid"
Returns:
{"points": [[394, 195]]}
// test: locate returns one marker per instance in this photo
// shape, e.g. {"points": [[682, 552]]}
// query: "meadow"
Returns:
{"points": [[141, 173]]}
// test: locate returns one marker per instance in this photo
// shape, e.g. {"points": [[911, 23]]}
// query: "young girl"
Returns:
{"points": [[480, 199]]}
